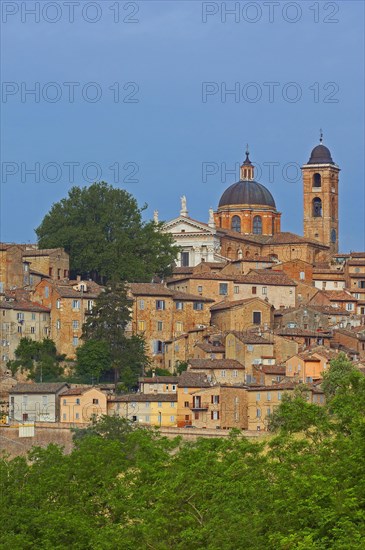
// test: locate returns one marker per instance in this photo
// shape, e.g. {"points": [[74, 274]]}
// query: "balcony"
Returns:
{"points": [[198, 405]]}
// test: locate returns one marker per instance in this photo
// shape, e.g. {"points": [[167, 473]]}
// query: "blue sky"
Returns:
{"points": [[166, 136]]}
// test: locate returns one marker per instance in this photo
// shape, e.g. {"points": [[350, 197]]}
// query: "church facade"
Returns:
{"points": [[247, 224]]}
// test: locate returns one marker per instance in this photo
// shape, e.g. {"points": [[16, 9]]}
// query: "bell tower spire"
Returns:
{"points": [[320, 190], [247, 168]]}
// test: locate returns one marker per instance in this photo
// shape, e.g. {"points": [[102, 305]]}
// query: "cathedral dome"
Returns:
{"points": [[247, 192], [320, 155]]}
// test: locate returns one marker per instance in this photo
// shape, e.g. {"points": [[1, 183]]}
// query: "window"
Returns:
{"points": [[256, 317], [75, 341], [158, 346], [186, 404], [200, 288], [179, 326], [172, 404], [184, 259], [64, 416], [77, 401], [64, 401], [20, 329], [25, 401], [258, 413], [254, 290], [350, 307], [302, 275], [172, 418], [95, 401], [160, 304], [173, 387], [257, 225], [77, 416], [223, 289], [75, 304], [186, 390], [75, 324], [317, 208], [198, 306], [236, 289], [268, 411], [159, 326], [58, 304], [46, 291], [236, 224], [147, 405], [32, 330], [223, 373], [20, 316], [58, 324], [44, 400], [90, 305], [215, 399], [361, 284], [214, 415], [250, 347], [33, 316], [316, 180], [140, 304], [279, 396], [257, 397], [235, 373], [264, 290], [147, 417], [179, 305], [268, 396], [141, 325], [159, 404]]}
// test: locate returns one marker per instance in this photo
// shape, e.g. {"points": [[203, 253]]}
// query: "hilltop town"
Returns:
{"points": [[248, 313]]}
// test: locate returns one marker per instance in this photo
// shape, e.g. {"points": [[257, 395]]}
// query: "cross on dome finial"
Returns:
{"points": [[320, 135]]}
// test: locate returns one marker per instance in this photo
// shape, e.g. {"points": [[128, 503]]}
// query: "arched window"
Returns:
{"points": [[257, 225], [317, 208], [317, 180], [236, 224]]}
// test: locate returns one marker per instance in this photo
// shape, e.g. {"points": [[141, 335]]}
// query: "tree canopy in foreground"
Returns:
{"points": [[101, 227], [126, 487]]}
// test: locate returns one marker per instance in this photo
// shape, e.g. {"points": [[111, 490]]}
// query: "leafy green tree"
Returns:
{"points": [[92, 360], [101, 228], [39, 359], [158, 372], [107, 325]]}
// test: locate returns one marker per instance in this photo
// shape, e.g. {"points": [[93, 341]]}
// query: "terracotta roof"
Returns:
{"points": [[190, 379], [23, 305], [208, 275], [286, 237], [66, 290], [212, 364], [281, 386], [159, 380], [357, 255], [249, 337], [80, 390], [300, 332], [339, 296], [182, 270], [208, 347], [250, 259], [43, 252], [273, 369], [156, 289], [266, 277], [146, 397], [53, 387], [234, 303], [330, 310]]}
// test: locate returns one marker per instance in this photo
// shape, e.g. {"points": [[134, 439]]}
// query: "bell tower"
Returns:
{"points": [[320, 189]]}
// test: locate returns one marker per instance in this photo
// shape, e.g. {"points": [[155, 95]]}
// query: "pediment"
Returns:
{"points": [[187, 225]]}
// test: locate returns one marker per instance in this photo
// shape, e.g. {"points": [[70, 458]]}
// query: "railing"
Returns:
{"points": [[199, 406]]}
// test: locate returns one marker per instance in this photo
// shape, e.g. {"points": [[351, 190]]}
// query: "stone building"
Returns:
{"points": [[249, 349], [82, 404], [220, 407], [151, 409], [164, 315], [21, 318], [242, 314], [70, 302], [24, 265], [36, 402], [189, 383], [219, 371]]}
